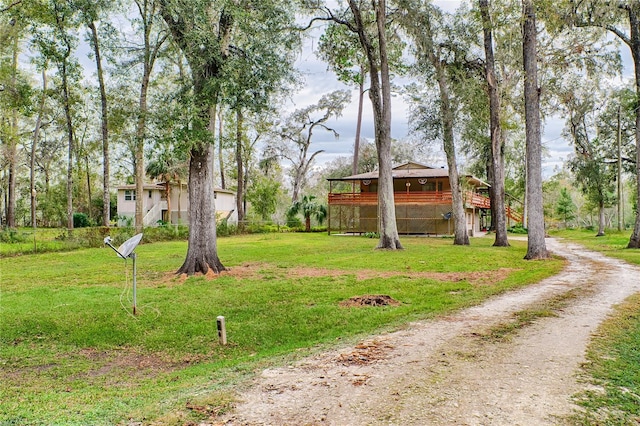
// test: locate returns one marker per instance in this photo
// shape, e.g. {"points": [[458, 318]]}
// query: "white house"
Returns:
{"points": [[156, 205]]}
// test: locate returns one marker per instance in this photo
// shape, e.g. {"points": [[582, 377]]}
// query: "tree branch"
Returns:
{"points": [[6, 9]]}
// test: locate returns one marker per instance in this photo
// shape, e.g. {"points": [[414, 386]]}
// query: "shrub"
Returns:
{"points": [[12, 236], [223, 229], [518, 228], [166, 232], [81, 220]]}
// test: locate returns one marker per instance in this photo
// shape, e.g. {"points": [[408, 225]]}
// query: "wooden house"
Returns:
{"points": [[422, 197]]}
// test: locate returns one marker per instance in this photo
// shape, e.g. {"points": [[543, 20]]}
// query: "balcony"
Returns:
{"points": [[417, 197]]}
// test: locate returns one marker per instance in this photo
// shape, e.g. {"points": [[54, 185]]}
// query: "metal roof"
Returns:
{"points": [[411, 170]]}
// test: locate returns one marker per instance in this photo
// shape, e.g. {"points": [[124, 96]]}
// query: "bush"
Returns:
{"points": [[166, 232], [12, 236], [518, 228], [81, 220], [223, 229]]}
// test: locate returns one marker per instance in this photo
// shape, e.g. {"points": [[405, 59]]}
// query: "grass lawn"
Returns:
{"points": [[72, 353], [613, 365], [613, 243]]}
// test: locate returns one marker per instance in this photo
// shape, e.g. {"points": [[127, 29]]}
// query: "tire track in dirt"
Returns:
{"points": [[441, 373]]}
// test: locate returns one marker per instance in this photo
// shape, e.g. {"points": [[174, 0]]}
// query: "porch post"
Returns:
{"points": [[329, 208]]}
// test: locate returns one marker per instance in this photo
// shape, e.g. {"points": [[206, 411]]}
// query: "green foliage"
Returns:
{"points": [[518, 228], [223, 229], [267, 228], [11, 236], [263, 195], [81, 220], [565, 209], [73, 354], [309, 208], [166, 232], [293, 221]]}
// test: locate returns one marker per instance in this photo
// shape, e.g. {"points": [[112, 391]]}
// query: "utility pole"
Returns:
{"points": [[620, 203]]}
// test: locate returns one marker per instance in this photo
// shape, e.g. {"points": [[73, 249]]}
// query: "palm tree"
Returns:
{"points": [[167, 169], [308, 206]]}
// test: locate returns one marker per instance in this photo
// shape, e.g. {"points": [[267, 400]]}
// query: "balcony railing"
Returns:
{"points": [[418, 198], [421, 197]]}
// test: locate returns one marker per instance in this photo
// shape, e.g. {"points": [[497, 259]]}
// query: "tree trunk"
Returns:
{"points": [[12, 146], [88, 172], [34, 144], [601, 219], [147, 14], [239, 165], [167, 186], [356, 144], [380, 95], [497, 155], [536, 246], [295, 193], [461, 236], [634, 21], [139, 147], [179, 201], [202, 253], [106, 196], [71, 145], [307, 223], [223, 183]]}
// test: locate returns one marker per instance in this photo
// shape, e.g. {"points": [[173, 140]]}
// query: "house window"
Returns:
{"points": [[439, 186], [429, 186], [129, 195]]}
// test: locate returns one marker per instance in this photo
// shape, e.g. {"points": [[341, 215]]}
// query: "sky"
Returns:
{"points": [[320, 80]]}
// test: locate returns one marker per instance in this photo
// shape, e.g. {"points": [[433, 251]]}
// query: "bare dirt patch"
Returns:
{"points": [[365, 353], [370, 300], [442, 372], [260, 270], [126, 361]]}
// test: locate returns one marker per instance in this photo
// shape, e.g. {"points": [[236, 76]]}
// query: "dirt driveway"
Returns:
{"points": [[443, 372]]}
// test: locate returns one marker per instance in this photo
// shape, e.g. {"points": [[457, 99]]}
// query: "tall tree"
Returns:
{"points": [[34, 145], [153, 41], [54, 35], [593, 173], [496, 166], [9, 132], [250, 83], [374, 43], [536, 246], [612, 16], [91, 12], [436, 56], [297, 133], [341, 49], [205, 32]]}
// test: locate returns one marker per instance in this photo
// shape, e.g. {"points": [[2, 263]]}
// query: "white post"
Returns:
{"points": [[222, 330], [133, 256]]}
